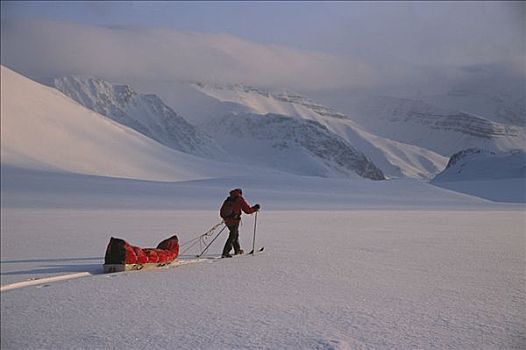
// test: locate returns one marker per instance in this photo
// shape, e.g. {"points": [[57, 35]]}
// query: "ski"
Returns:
{"points": [[240, 255], [257, 251], [252, 252]]}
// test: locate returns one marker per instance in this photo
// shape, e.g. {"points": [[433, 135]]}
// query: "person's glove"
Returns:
{"points": [[257, 206]]}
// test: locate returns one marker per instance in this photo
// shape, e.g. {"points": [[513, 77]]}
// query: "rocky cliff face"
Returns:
{"points": [[285, 140]]}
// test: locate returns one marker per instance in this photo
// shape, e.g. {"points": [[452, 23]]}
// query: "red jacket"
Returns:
{"points": [[239, 204]]}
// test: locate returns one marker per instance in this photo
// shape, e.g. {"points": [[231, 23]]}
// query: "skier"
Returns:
{"points": [[231, 214]]}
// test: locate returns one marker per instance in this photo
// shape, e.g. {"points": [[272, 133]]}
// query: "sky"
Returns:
{"points": [[319, 45]]}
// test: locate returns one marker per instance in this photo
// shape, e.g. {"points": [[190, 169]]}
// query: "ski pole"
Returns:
{"points": [[254, 238], [209, 244]]}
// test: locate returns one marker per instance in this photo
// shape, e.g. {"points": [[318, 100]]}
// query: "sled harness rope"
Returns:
{"points": [[201, 239]]}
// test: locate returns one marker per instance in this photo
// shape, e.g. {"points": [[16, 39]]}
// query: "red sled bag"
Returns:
{"points": [[120, 252], [152, 255], [171, 244]]}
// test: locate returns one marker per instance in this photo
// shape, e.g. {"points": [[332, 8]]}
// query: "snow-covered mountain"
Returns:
{"points": [[283, 131], [501, 108], [41, 128], [443, 130], [44, 129], [491, 175], [290, 144], [315, 150], [492, 91], [477, 164], [394, 158], [147, 114], [262, 101]]}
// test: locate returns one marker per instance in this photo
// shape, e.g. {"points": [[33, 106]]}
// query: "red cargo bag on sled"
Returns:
{"points": [[122, 256]]}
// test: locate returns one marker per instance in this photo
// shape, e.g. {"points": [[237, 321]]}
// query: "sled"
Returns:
{"points": [[122, 256]]}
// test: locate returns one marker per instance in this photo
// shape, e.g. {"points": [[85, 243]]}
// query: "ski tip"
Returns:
{"points": [[259, 250]]}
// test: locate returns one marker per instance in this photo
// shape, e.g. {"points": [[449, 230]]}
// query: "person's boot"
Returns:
{"points": [[240, 251], [227, 255]]}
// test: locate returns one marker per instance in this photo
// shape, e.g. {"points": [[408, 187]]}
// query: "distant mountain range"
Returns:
{"points": [[502, 108], [442, 130], [403, 137], [384, 136], [300, 146], [242, 127]]}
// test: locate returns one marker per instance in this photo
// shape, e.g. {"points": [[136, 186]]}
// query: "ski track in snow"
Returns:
{"points": [[356, 279]]}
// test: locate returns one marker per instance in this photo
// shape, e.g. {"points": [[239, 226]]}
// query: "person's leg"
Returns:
{"points": [[235, 242], [232, 237]]}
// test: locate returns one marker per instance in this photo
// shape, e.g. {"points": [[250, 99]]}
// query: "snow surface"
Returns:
{"points": [[348, 264], [22, 188], [356, 279], [510, 190]]}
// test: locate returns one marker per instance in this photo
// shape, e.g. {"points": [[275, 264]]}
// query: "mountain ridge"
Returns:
{"points": [[145, 113], [324, 152], [398, 159], [123, 104]]}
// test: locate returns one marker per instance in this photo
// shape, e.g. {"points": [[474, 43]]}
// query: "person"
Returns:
{"points": [[231, 214]]}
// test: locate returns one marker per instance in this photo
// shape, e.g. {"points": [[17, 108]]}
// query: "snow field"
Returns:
{"points": [[358, 279]]}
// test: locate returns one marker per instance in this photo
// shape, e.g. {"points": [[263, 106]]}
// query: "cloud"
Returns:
{"points": [[439, 32], [388, 49], [43, 48]]}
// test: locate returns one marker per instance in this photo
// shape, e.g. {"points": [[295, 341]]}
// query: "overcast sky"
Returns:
{"points": [[312, 44]]}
